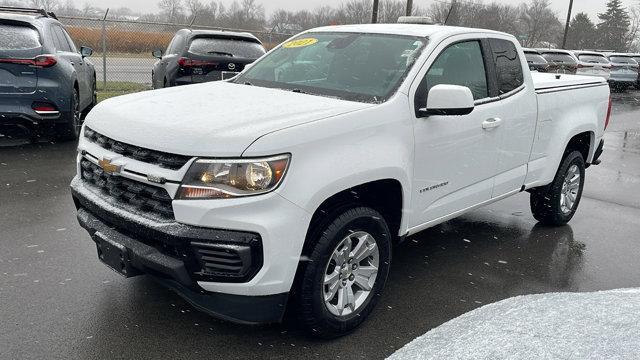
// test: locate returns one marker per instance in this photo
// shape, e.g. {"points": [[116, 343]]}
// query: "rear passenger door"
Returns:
{"points": [[518, 112], [66, 51]]}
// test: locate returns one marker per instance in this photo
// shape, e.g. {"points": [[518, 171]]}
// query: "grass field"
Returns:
{"points": [[117, 88]]}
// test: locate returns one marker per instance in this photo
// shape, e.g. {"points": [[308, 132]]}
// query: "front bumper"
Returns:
{"points": [[133, 247]]}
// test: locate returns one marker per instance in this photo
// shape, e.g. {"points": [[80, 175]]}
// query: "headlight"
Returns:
{"points": [[220, 179]]}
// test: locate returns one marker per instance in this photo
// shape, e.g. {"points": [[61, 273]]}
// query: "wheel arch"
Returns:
{"points": [[584, 142], [385, 195]]}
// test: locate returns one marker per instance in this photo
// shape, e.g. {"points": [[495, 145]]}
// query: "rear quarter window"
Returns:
{"points": [[508, 66], [15, 37]]}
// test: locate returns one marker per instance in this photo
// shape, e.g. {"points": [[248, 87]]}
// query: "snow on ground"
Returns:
{"points": [[599, 325]]}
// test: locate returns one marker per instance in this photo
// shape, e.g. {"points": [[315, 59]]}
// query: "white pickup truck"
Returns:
{"points": [[286, 186]]}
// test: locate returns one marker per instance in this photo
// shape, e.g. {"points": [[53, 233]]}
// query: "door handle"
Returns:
{"points": [[491, 123]]}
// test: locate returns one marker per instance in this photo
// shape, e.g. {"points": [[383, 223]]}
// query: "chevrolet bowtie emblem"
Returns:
{"points": [[108, 167]]}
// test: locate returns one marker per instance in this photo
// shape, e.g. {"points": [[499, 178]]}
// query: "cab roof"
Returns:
{"points": [[418, 30]]}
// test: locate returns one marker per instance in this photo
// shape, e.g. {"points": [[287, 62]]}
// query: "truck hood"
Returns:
{"points": [[213, 119]]}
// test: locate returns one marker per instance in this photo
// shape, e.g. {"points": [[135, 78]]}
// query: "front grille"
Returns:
{"points": [[146, 200], [162, 159]]}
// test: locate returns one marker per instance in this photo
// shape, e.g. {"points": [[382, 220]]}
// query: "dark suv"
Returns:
{"points": [[45, 82], [196, 56]]}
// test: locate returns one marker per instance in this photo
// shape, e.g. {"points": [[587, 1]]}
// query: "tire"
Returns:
{"points": [[69, 129], [331, 319], [94, 100], [556, 203]]}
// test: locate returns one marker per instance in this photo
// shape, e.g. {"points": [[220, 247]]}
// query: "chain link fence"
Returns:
{"points": [[122, 48]]}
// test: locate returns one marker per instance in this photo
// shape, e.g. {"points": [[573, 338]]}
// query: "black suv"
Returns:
{"points": [[45, 82], [196, 56]]}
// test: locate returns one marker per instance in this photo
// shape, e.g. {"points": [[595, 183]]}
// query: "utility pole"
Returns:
{"points": [[566, 26], [104, 49], [374, 14], [409, 7], [451, 10]]}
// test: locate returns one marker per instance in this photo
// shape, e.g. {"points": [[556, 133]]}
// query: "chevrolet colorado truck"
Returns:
{"points": [[286, 186]]}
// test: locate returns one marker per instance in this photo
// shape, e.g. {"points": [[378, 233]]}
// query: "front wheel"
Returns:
{"points": [[346, 273], [555, 204]]}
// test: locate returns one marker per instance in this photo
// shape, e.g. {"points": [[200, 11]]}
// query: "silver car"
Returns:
{"points": [[593, 64], [624, 70]]}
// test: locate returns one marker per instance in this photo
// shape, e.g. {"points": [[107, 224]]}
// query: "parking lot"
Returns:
{"points": [[59, 301]]}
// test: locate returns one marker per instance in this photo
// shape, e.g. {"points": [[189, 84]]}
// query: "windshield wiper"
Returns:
{"points": [[220, 53], [299, 91]]}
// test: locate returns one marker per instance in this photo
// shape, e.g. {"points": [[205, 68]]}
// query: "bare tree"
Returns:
{"points": [[631, 38], [391, 10], [195, 8], [355, 12], [48, 5], [540, 25], [172, 9], [324, 15]]}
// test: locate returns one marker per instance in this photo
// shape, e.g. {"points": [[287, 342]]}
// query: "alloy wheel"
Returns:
{"points": [[570, 189], [350, 274]]}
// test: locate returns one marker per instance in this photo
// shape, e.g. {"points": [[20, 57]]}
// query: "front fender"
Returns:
{"points": [[338, 153]]}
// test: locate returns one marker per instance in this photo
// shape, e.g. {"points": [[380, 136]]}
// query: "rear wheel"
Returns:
{"points": [[69, 129], [556, 203], [346, 272], [94, 100]]}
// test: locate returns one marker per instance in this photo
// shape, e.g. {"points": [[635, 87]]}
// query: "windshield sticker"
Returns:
{"points": [[300, 43]]}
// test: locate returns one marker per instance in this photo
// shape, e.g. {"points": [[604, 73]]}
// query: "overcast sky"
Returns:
{"points": [[592, 7]]}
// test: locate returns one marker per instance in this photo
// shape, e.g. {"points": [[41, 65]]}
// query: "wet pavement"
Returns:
{"points": [[58, 301]]}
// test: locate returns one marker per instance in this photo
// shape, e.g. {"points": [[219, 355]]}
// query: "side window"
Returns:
{"points": [[508, 66], [460, 64], [177, 45], [60, 39], [72, 45]]}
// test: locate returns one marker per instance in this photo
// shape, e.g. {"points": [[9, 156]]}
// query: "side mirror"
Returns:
{"points": [[449, 100], [86, 51], [157, 54]]}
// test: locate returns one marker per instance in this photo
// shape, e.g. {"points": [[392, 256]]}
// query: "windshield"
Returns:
{"points": [[355, 67], [226, 47], [558, 58], [533, 58], [18, 38], [622, 60], [593, 59]]}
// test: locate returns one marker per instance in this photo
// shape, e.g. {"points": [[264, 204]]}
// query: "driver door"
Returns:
{"points": [[455, 156]]}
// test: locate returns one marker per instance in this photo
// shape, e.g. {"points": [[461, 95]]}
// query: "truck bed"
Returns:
{"points": [[546, 81]]}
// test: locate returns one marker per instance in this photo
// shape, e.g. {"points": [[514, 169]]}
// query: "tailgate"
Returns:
{"points": [[211, 68], [19, 43]]}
